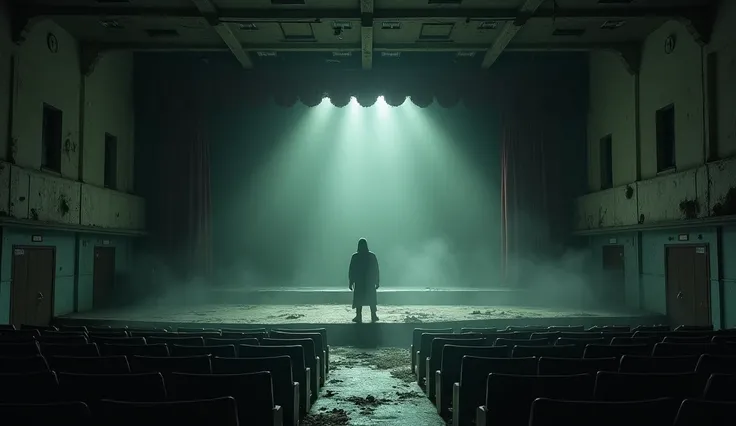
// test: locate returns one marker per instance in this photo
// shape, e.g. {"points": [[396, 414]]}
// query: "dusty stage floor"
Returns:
{"points": [[328, 314]]}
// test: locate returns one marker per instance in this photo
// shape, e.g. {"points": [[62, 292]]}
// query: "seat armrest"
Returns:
{"points": [[481, 415], [278, 415], [438, 391], [456, 404], [297, 401]]}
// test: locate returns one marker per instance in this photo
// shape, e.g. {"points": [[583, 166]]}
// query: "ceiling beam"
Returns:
{"points": [[509, 31], [347, 47], [273, 14], [209, 12], [366, 33]]}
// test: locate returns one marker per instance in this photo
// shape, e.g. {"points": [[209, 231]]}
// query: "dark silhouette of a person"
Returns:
{"points": [[364, 280]]}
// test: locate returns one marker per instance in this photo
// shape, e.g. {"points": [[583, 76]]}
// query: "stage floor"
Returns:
{"points": [[331, 314]]}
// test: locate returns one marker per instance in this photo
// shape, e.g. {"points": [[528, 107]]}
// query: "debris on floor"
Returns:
{"points": [[371, 387]]}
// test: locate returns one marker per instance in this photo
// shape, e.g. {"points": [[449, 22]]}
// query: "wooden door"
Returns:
{"points": [[33, 285], [688, 285], [614, 287], [104, 276]]}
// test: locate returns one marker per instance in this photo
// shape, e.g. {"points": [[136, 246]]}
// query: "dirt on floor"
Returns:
{"points": [[371, 387], [321, 314]]}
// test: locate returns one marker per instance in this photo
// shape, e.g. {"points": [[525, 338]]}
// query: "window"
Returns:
{"points": [[666, 138], [606, 162], [111, 161], [51, 139]]}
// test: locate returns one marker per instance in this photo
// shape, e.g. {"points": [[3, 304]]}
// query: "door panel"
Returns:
{"points": [[104, 276], [688, 285], [19, 289], [33, 285]]}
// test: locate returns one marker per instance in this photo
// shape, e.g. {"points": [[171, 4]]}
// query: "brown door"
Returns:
{"points": [[104, 276], [688, 285], [33, 285], [613, 288]]}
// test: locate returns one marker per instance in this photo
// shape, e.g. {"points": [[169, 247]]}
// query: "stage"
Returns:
{"points": [[400, 311]]}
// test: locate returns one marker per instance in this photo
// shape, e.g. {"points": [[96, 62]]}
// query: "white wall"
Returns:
{"points": [[108, 108], [5, 53], [722, 43], [611, 112], [675, 78]]}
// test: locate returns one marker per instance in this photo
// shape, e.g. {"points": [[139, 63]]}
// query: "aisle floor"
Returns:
{"points": [[371, 387]]}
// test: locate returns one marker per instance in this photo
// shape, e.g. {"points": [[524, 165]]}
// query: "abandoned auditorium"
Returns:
{"points": [[367, 212]]}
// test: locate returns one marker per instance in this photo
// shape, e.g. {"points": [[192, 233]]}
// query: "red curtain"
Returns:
{"points": [[182, 210], [524, 190]]}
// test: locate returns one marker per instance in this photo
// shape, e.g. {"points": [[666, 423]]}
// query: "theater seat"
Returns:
{"points": [[218, 350], [90, 365], [549, 412], [90, 388], [31, 364], [705, 413], [560, 366], [633, 386], [253, 393], [56, 414], [210, 412], [39, 387], [158, 349], [285, 390], [199, 364]]}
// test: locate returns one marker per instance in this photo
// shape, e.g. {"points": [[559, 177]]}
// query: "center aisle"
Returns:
{"points": [[371, 387]]}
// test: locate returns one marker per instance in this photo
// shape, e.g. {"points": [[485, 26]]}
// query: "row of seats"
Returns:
{"points": [[296, 359], [454, 368]]}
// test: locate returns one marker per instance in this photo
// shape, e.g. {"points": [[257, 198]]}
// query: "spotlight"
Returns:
{"points": [[338, 33]]}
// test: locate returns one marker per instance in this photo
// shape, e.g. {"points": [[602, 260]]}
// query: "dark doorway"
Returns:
{"points": [[32, 290], [614, 287], [688, 285], [104, 276]]}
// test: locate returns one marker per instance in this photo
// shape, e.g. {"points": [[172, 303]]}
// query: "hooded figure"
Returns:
{"points": [[364, 280]]}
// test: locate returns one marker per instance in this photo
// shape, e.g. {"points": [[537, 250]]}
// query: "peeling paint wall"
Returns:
{"points": [[709, 190], [34, 85], [675, 78], [728, 244], [5, 58], [722, 44], [108, 108], [612, 113]]}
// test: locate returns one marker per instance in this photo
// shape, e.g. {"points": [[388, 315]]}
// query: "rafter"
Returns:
{"points": [[366, 33], [509, 31], [209, 12]]}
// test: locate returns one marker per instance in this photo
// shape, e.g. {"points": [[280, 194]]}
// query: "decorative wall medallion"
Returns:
{"points": [[52, 43]]}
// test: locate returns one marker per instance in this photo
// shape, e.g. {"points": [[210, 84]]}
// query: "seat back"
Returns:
{"points": [[31, 364], [158, 349], [550, 412], [695, 412], [118, 340], [617, 351], [251, 334], [693, 339], [720, 387], [53, 349], [648, 341], [581, 335], [55, 413], [657, 328], [298, 367], [581, 342], [550, 336], [567, 328], [452, 361], [611, 328], [281, 376], [198, 364], [509, 397], [684, 349], [648, 364], [70, 339], [177, 340], [90, 388], [219, 350], [564, 366], [19, 350], [478, 330], [715, 364], [38, 387], [501, 341], [634, 386], [557, 351], [425, 346], [253, 392], [90, 365], [319, 345], [210, 412]]}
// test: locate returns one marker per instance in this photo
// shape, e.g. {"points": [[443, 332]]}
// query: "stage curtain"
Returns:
{"points": [[181, 209], [524, 189]]}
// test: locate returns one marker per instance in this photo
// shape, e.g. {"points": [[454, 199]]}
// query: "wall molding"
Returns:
{"points": [[52, 226]]}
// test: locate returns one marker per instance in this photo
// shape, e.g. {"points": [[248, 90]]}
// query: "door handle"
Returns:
{"points": [[680, 295], [40, 296]]}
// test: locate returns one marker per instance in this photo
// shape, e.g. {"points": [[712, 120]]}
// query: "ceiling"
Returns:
{"points": [[366, 29]]}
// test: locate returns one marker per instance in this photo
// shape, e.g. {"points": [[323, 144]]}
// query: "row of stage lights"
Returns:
{"points": [[366, 101]]}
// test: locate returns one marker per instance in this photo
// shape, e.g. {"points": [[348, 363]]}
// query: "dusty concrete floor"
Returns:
{"points": [[322, 314], [371, 387]]}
